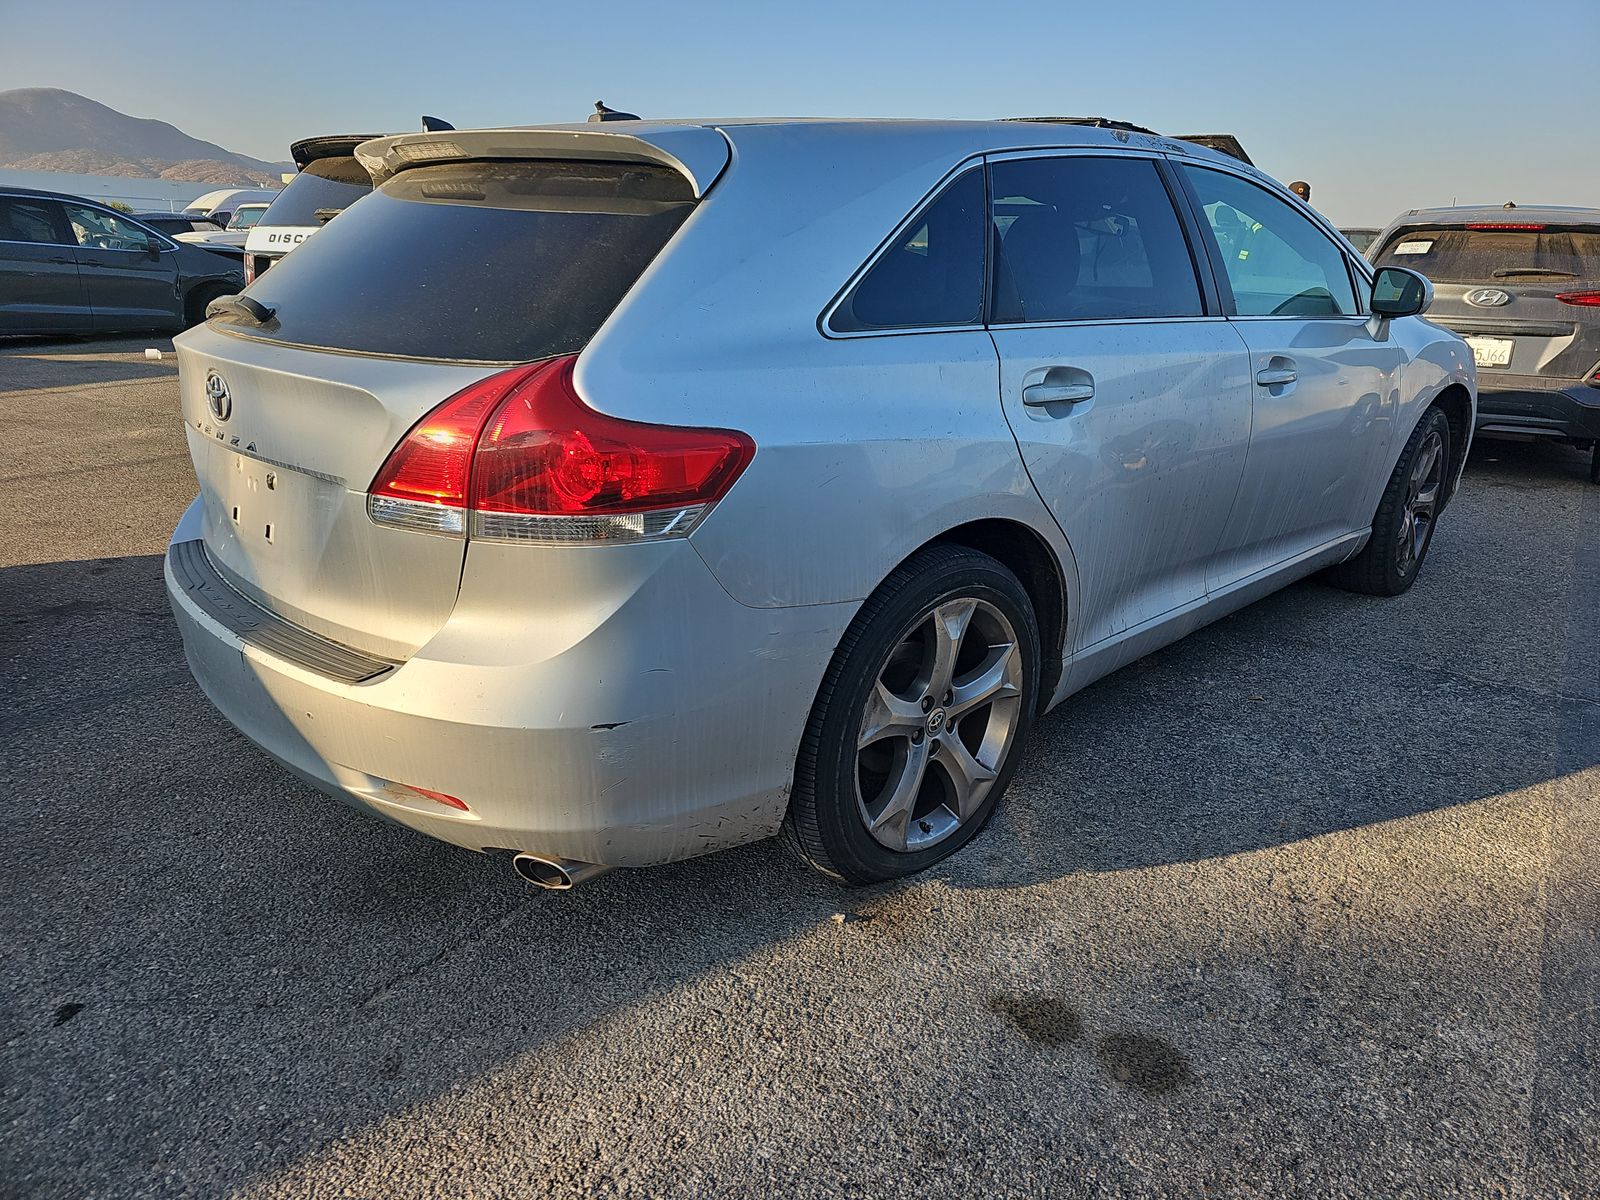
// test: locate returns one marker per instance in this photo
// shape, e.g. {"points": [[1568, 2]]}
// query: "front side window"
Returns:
{"points": [[932, 275], [103, 231], [1278, 263], [1084, 239], [30, 221]]}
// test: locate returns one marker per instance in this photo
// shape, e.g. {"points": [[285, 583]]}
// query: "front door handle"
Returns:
{"points": [[1059, 385]]}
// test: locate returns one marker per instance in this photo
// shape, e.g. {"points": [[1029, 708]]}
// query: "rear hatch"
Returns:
{"points": [[1520, 292], [444, 275]]}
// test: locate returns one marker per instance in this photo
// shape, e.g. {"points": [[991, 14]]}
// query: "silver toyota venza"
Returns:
{"points": [[609, 495]]}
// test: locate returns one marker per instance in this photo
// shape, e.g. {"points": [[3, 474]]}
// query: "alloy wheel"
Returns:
{"points": [[937, 726], [1423, 489]]}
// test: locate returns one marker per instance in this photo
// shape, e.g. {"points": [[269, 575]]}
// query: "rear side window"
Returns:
{"points": [[325, 188], [488, 262], [932, 274], [1083, 239], [1466, 255], [25, 220], [1278, 263]]}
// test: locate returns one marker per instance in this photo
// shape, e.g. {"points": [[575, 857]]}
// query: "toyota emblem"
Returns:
{"points": [[218, 397]]}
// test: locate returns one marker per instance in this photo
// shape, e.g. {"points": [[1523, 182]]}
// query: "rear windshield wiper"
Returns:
{"points": [[323, 215], [1508, 272], [249, 309]]}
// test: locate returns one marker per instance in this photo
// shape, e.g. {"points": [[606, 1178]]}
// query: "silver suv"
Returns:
{"points": [[612, 494], [1522, 285]]}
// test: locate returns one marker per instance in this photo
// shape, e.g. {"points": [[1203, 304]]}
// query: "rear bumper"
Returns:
{"points": [[1570, 411], [668, 732]]}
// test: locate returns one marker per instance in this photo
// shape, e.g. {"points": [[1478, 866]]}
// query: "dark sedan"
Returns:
{"points": [[70, 265]]}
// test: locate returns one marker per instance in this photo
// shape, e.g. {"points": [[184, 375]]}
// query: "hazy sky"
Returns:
{"points": [[1382, 106]]}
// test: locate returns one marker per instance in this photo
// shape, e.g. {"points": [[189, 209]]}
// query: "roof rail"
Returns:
{"points": [[1094, 122], [1224, 143]]}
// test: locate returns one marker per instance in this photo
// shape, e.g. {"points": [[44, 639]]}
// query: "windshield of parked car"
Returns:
{"points": [[1487, 251], [325, 187], [484, 262]]}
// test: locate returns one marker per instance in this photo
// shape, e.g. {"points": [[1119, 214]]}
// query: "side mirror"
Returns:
{"points": [[1397, 292], [152, 247]]}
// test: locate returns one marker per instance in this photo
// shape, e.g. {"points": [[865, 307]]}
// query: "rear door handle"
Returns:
{"points": [[1059, 385], [1277, 372]]}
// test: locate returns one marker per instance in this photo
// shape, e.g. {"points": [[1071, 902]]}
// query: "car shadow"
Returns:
{"points": [[205, 952], [1531, 462], [33, 364]]}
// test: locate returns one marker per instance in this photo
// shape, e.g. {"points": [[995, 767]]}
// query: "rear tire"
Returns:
{"points": [[919, 722], [1402, 529]]}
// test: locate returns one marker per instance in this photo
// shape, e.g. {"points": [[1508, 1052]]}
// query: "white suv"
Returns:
{"points": [[329, 180]]}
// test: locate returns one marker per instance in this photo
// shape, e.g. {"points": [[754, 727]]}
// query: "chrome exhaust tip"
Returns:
{"points": [[556, 874]]}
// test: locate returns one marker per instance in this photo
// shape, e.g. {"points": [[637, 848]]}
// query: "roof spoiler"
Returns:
{"points": [[333, 145], [697, 152], [1222, 143]]}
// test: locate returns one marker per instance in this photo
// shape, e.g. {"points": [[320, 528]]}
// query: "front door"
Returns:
{"points": [[39, 287], [1325, 388], [130, 285], [1129, 400]]}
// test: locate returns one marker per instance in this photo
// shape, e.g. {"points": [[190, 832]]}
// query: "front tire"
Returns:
{"points": [[920, 720], [1402, 529]]}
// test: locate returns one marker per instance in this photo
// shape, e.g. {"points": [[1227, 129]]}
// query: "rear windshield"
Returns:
{"points": [[485, 262], [328, 185], [1462, 255]]}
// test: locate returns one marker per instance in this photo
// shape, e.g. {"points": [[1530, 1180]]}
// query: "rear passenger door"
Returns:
{"points": [[1324, 388], [39, 286], [1127, 390]]}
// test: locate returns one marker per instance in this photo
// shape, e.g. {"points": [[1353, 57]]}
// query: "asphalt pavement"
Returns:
{"points": [[1304, 905]]}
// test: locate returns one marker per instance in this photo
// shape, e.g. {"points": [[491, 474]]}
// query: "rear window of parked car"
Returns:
{"points": [[484, 262], [326, 186], [1457, 254]]}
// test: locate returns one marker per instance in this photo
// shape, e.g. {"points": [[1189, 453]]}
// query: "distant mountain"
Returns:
{"points": [[47, 129]]}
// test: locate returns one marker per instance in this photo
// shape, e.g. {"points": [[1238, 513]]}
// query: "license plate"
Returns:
{"points": [[1491, 352]]}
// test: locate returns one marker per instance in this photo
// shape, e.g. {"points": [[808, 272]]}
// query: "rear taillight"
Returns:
{"points": [[520, 457], [1582, 299], [249, 269]]}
